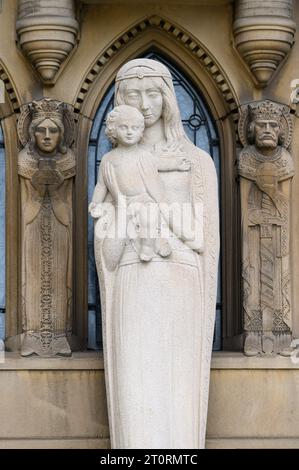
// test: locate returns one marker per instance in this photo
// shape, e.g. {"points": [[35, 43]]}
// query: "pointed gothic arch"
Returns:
{"points": [[9, 111], [199, 66], [155, 30], [12, 104]]}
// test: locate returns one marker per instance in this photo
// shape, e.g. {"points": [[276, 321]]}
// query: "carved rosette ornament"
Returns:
{"points": [[47, 33], [264, 34], [46, 168], [266, 170]]}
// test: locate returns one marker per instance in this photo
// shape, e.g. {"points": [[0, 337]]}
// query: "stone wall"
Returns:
{"points": [[253, 402]]}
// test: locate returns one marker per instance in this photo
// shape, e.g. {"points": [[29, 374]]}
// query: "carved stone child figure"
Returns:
{"points": [[120, 175]]}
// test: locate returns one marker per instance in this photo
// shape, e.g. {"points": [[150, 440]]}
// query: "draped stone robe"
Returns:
{"points": [[158, 323], [46, 212], [265, 198]]}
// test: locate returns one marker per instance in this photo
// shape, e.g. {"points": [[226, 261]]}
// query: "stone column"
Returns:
{"points": [[47, 32], [264, 34]]}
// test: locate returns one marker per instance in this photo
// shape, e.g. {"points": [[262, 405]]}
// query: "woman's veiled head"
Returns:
{"points": [[147, 85]]}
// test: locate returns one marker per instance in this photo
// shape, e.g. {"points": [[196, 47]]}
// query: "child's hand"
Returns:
{"points": [[96, 210], [183, 164]]}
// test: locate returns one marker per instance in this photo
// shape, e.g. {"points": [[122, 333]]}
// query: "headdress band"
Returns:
{"points": [[140, 74]]}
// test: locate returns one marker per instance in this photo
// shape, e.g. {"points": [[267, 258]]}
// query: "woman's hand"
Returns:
{"points": [[96, 210], [183, 164]]}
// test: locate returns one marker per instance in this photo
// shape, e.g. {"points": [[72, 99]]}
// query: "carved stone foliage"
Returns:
{"points": [[47, 32], [46, 168], [264, 33], [266, 170], [156, 247]]}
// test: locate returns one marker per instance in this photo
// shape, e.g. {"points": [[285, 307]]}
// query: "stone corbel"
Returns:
{"points": [[264, 34], [47, 32]]}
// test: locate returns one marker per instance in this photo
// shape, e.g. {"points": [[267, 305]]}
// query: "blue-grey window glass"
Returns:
{"points": [[2, 237], [201, 130]]}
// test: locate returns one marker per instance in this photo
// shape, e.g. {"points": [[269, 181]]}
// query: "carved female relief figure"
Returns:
{"points": [[46, 169]]}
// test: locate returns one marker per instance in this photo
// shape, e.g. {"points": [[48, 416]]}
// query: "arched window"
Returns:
{"points": [[201, 130], [2, 236]]}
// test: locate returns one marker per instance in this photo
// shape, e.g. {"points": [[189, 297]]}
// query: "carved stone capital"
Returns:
{"points": [[47, 33], [264, 34]]}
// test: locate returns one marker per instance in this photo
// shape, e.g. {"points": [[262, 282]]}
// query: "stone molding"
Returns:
{"points": [[264, 34], [9, 90], [181, 36], [47, 33]]}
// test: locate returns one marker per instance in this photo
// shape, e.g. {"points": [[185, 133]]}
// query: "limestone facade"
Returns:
{"points": [[72, 54]]}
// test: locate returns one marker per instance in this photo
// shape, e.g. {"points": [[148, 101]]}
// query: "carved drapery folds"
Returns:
{"points": [[266, 170], [47, 32], [46, 168], [264, 33]]}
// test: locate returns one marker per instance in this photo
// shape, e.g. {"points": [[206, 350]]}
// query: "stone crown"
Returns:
{"points": [[47, 108], [266, 110]]}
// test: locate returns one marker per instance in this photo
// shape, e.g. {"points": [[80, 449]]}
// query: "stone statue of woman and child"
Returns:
{"points": [[156, 247], [157, 277]]}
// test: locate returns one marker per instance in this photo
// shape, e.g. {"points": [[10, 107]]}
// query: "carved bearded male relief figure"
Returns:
{"points": [[266, 169], [46, 168]]}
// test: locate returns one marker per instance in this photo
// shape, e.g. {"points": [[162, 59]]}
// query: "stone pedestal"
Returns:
{"points": [[61, 402], [53, 403]]}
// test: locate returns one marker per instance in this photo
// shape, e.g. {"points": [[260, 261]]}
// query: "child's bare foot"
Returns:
{"points": [[163, 247], [146, 253]]}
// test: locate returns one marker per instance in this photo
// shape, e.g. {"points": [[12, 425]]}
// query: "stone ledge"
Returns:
{"points": [[168, 2], [78, 361], [237, 360], [63, 443], [94, 361], [251, 443]]}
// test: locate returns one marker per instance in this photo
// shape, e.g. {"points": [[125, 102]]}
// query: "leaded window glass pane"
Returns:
{"points": [[201, 130]]}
